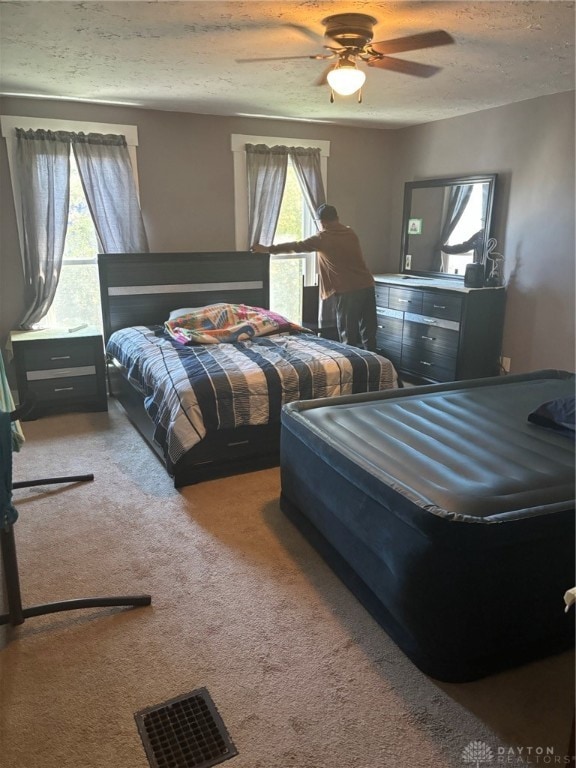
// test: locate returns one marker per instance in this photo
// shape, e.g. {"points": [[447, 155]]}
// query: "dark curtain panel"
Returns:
{"points": [[108, 182], [266, 169], [43, 171], [457, 202]]}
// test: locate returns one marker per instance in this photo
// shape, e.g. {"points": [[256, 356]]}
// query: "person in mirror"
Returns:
{"points": [[474, 243], [343, 274]]}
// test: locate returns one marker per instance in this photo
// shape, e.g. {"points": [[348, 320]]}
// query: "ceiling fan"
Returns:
{"points": [[350, 36]]}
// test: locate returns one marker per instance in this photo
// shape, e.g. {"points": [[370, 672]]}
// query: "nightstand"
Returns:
{"points": [[310, 301], [60, 371]]}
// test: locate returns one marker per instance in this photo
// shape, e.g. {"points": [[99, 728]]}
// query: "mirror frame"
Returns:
{"points": [[409, 186]]}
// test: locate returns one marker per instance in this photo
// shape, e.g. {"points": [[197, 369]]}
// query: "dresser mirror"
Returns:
{"points": [[446, 225]]}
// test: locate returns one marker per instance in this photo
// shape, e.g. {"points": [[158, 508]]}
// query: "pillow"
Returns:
{"points": [[556, 414], [179, 312], [217, 323]]}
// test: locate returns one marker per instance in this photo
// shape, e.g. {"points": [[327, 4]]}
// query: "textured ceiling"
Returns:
{"points": [[181, 56]]}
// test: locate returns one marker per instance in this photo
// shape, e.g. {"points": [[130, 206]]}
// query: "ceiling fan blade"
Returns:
{"points": [[286, 58], [309, 33], [404, 67], [413, 42], [323, 78]]}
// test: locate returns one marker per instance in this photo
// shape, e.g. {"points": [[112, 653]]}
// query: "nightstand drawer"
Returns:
{"points": [[60, 354], [66, 388], [61, 373]]}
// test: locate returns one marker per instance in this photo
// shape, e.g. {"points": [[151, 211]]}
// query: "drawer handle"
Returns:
{"points": [[63, 389], [61, 357], [439, 306], [428, 338], [404, 301], [423, 362]]}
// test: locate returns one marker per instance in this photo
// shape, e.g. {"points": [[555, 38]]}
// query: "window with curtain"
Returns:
{"points": [[294, 207], [77, 297], [471, 220], [288, 272], [75, 190]]}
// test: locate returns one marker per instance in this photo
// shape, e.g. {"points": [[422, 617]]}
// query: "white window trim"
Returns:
{"points": [[9, 123], [238, 143]]}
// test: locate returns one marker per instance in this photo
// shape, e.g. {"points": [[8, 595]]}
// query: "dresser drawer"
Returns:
{"points": [[429, 365], [390, 320], [388, 347], [447, 306], [389, 332], [58, 354], [405, 300], [382, 295], [431, 339]]}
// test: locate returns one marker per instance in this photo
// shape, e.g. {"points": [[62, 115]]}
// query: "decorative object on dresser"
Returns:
{"points": [[439, 330], [60, 370], [494, 261]]}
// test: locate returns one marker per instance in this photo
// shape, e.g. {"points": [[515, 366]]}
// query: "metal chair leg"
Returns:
{"points": [[16, 613]]}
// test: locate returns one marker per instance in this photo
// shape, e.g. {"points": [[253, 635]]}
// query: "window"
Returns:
{"points": [[288, 272], [471, 221], [77, 299]]}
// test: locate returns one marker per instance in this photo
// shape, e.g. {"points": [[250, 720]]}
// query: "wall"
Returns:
{"points": [[186, 181], [427, 205], [186, 187], [531, 146]]}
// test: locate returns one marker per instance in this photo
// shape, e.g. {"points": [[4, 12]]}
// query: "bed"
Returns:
{"points": [[448, 510], [209, 410]]}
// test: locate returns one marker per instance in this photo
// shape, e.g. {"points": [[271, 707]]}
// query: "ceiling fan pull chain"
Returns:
{"points": [[360, 96], [331, 96]]}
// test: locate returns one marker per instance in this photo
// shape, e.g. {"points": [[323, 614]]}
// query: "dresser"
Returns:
{"points": [[60, 371], [436, 329]]}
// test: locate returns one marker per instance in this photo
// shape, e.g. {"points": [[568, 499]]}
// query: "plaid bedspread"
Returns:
{"points": [[190, 390]]}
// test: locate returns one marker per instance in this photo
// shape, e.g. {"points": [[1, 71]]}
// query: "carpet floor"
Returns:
{"points": [[242, 605]]}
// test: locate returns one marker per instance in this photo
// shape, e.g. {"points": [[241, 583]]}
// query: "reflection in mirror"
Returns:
{"points": [[446, 224]]}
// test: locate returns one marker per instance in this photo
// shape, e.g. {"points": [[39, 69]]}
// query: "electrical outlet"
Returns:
{"points": [[408, 261], [505, 363]]}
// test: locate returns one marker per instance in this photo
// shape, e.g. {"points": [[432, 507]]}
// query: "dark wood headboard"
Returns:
{"points": [[143, 288]]}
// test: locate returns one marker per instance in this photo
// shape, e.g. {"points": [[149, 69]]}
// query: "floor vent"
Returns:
{"points": [[185, 732]]}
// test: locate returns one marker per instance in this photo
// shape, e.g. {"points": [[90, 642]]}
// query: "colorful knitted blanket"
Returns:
{"points": [[217, 323]]}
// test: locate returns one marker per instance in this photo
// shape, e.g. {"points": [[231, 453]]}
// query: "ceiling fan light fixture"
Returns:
{"points": [[345, 79]]}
